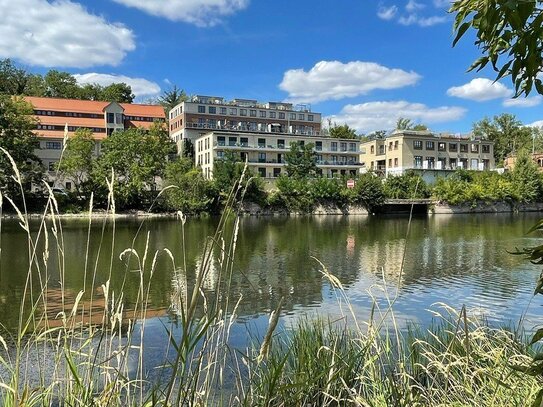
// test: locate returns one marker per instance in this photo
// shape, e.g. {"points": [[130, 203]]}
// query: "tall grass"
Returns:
{"points": [[82, 349]]}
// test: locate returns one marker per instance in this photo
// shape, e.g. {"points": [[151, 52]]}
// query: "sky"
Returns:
{"points": [[361, 62]]}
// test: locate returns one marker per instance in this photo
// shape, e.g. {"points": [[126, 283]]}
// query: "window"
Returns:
{"points": [[417, 161], [372, 150], [292, 116], [475, 148], [343, 146], [261, 142], [220, 154], [417, 145], [276, 172], [232, 141], [301, 143], [452, 163], [395, 162], [301, 116], [486, 148], [212, 110], [111, 118], [441, 146], [280, 143], [222, 110], [441, 163], [390, 162], [244, 141], [262, 113], [310, 117], [53, 145], [390, 146], [221, 140], [431, 162], [262, 172], [318, 146], [430, 145], [252, 113], [463, 148], [273, 115], [261, 157], [381, 149], [243, 112], [233, 111], [334, 146], [52, 165], [352, 147], [201, 109], [396, 145], [281, 115], [453, 147]]}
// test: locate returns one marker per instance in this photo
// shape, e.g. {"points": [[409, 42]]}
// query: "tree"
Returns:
{"points": [[117, 92], [507, 133], [526, 179], [191, 192], [407, 124], [61, 85], [368, 191], [509, 34], [13, 80], [77, 159], [137, 157], [171, 98], [301, 160], [343, 131], [17, 137], [187, 149]]}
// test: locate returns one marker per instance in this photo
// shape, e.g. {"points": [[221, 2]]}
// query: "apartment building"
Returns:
{"points": [[102, 118], [406, 150], [192, 119], [265, 152]]}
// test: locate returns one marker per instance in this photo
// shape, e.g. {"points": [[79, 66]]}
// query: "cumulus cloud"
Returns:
{"points": [[60, 33], [372, 116], [480, 90], [333, 80], [140, 87], [523, 102], [413, 13], [203, 13], [538, 124]]}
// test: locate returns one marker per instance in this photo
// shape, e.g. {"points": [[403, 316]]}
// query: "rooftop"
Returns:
{"points": [[217, 100]]}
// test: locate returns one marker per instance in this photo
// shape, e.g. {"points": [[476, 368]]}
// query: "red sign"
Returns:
{"points": [[350, 183]]}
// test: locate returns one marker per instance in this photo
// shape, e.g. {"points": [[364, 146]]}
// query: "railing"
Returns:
{"points": [[249, 129], [271, 147]]}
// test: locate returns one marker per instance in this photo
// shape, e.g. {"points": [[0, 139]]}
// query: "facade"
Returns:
{"points": [[192, 119], [102, 118], [265, 152], [407, 150]]}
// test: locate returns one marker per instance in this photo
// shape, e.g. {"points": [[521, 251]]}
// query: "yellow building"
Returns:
{"points": [[406, 150]]}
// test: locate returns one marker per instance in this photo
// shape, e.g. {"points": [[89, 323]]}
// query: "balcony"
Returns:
{"points": [[249, 129]]}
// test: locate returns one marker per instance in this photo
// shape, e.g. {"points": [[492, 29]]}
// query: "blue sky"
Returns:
{"points": [[361, 62]]}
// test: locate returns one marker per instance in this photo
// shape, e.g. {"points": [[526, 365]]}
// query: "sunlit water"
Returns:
{"points": [[458, 260]]}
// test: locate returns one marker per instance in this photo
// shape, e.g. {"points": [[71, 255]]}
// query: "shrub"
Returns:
{"points": [[406, 186]]}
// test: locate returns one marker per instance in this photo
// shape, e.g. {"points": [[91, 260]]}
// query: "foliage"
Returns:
{"points": [[189, 191], [406, 124], [77, 159], [58, 84], [406, 186], [507, 133], [18, 139], [509, 34], [301, 160], [137, 158], [294, 194], [368, 191], [227, 174], [330, 190], [171, 98], [187, 150], [343, 132], [527, 180]]}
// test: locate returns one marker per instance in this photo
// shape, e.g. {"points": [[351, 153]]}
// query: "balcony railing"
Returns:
{"points": [[272, 147], [263, 129]]}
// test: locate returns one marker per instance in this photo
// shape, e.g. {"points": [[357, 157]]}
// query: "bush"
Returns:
{"points": [[368, 191], [406, 186]]}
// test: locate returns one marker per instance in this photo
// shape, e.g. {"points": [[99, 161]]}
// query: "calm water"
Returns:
{"points": [[457, 260]]}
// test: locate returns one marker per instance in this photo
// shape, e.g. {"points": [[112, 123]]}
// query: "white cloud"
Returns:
{"points": [[387, 13], [140, 87], [480, 90], [413, 6], [203, 13], [523, 102], [336, 80], [538, 123], [60, 33], [372, 116], [414, 19]]}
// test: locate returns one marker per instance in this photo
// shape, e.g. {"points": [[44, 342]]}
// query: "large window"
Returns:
{"points": [[430, 145], [486, 148], [243, 112], [53, 145], [281, 115], [318, 146], [441, 146], [201, 109], [252, 113], [463, 148], [262, 113], [222, 110], [453, 147], [233, 111], [333, 146], [475, 148], [244, 141], [212, 110], [232, 141], [417, 145], [352, 147], [310, 117], [292, 116], [261, 142], [417, 161], [261, 157], [221, 141], [301, 116], [273, 115], [280, 143]]}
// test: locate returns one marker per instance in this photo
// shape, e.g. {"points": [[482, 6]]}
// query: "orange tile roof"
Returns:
{"points": [[92, 106]]}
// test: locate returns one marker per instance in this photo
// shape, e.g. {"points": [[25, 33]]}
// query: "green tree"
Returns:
{"points": [[117, 92], [191, 192], [17, 137], [301, 160], [509, 34], [77, 159], [368, 191], [187, 149], [137, 157], [343, 131], [61, 85], [13, 80], [507, 133], [406, 186], [171, 98], [406, 124], [526, 179]]}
